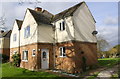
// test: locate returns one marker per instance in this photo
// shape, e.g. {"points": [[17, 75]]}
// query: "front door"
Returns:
{"points": [[44, 58]]}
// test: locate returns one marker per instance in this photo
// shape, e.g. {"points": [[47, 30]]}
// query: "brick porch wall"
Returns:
{"points": [[48, 46]]}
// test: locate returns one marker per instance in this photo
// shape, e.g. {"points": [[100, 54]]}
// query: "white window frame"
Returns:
{"points": [[62, 52], [23, 59], [61, 26], [32, 52], [26, 35], [14, 37]]}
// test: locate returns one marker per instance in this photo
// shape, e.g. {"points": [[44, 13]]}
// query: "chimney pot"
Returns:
{"points": [[38, 9], [1, 31]]}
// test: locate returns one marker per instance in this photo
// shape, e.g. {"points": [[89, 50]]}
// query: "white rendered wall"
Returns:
{"points": [[28, 21], [67, 34], [14, 44], [84, 24]]}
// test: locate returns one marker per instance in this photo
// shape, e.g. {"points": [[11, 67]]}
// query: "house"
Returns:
{"points": [[47, 41], [5, 42], [15, 37]]}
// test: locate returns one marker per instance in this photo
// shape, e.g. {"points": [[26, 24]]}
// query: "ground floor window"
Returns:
{"points": [[33, 52], [62, 52], [25, 55]]}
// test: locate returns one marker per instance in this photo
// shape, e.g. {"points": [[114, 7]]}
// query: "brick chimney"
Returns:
{"points": [[38, 9], [1, 31]]}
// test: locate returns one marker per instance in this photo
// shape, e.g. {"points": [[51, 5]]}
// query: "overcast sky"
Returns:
{"points": [[105, 14]]}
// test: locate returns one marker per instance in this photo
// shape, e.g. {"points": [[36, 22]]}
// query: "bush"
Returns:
{"points": [[16, 60], [4, 58]]}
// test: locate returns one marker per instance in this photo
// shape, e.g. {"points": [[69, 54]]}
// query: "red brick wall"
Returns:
{"points": [[73, 61], [34, 63], [31, 64]]}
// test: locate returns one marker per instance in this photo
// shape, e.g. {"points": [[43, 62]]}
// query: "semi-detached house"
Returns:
{"points": [[47, 41]]}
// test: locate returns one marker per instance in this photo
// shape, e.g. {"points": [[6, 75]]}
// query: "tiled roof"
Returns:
{"points": [[5, 34], [19, 22], [40, 17], [67, 12]]}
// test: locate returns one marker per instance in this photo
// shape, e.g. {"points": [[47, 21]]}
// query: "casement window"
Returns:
{"points": [[14, 37], [25, 55], [27, 32], [62, 25], [33, 52], [62, 52]]}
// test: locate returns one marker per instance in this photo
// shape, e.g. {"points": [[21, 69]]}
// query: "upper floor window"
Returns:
{"points": [[14, 37], [27, 32], [62, 25], [62, 52]]}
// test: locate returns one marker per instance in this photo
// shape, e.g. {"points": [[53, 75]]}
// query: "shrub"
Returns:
{"points": [[16, 60]]}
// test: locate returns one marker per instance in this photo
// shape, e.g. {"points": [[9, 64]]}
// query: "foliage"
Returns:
{"points": [[4, 57], [102, 44], [115, 50], [11, 71], [16, 59], [108, 62], [84, 63]]}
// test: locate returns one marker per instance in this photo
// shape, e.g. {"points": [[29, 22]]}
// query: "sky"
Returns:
{"points": [[105, 14]]}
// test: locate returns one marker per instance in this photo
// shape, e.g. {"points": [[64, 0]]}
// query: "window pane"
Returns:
{"points": [[44, 54], [64, 54], [63, 25], [61, 51], [33, 53], [27, 32], [23, 55], [24, 32], [14, 37], [26, 55], [60, 26]]}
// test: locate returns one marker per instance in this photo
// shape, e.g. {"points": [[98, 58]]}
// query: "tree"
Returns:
{"points": [[102, 45], [3, 22]]}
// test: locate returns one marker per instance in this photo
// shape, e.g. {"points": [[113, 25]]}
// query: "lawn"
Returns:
{"points": [[10, 71], [108, 62]]}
